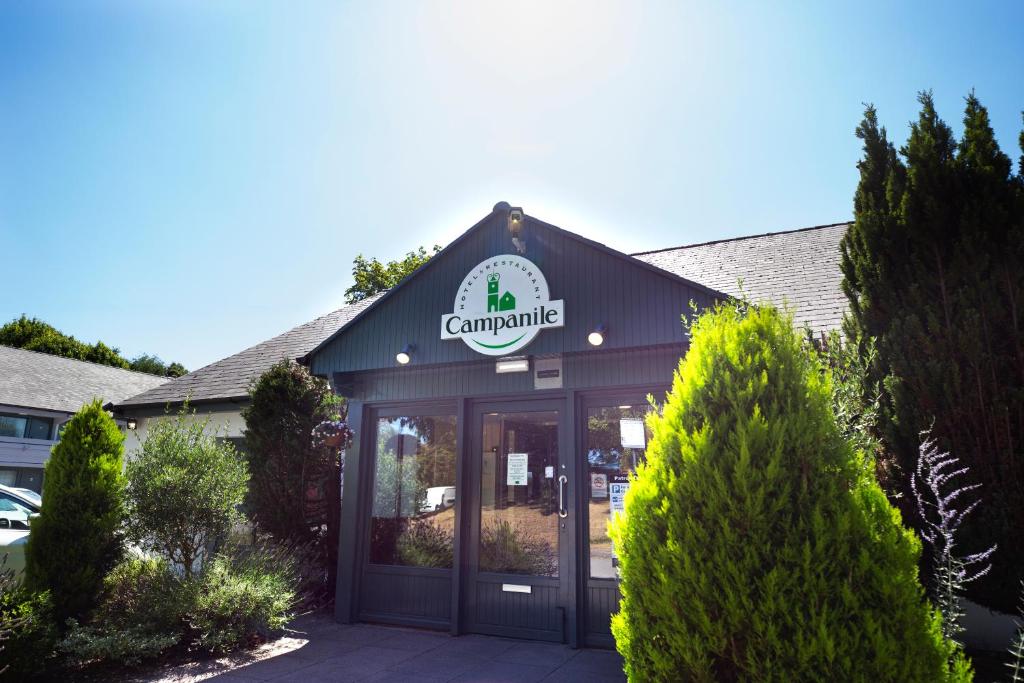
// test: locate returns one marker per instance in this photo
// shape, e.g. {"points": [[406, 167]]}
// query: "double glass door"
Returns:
{"points": [[519, 574]]}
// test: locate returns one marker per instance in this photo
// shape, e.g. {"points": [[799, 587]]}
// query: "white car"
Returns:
{"points": [[16, 510], [438, 498]]}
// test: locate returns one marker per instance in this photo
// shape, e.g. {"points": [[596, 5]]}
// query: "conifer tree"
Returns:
{"points": [[77, 539], [757, 544], [932, 270]]}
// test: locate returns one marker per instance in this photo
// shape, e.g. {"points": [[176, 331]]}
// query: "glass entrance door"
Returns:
{"points": [[519, 578]]}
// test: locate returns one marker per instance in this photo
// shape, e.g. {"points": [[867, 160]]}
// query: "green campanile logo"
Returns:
{"points": [[506, 303]]}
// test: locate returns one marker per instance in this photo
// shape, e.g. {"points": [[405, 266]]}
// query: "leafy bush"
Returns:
{"points": [[241, 599], [125, 645], [30, 632], [755, 544], [140, 616], [184, 488], [505, 547], [295, 491], [77, 539], [424, 544]]}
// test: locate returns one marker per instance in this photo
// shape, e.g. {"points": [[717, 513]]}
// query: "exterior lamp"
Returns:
{"points": [[405, 355], [596, 336], [132, 423], [515, 227], [512, 364]]}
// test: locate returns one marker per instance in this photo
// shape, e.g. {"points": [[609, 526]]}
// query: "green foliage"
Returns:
{"points": [[511, 548], [287, 402], [184, 488], [424, 544], [932, 270], [33, 334], [127, 646], [756, 545], [76, 539], [241, 599], [372, 277], [30, 633]]}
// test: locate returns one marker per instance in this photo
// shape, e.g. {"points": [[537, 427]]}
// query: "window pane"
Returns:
{"points": [[413, 513], [616, 439], [39, 428], [12, 425], [519, 494]]}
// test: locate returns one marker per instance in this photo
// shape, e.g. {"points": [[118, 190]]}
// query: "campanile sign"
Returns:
{"points": [[501, 305]]}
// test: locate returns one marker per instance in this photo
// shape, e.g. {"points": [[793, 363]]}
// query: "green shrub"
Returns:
{"points": [[505, 547], [424, 544], [76, 539], [141, 614], [31, 633], [238, 600], [184, 488], [756, 543], [124, 645]]}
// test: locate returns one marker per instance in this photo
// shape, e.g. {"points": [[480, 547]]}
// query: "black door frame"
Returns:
{"points": [[567, 546]]}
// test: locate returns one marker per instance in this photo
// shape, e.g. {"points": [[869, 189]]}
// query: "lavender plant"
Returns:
{"points": [[941, 504], [1016, 663]]}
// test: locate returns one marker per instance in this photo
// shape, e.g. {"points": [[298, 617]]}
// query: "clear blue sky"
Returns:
{"points": [[191, 178]]}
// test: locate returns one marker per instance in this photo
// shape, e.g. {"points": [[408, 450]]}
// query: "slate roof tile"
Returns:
{"points": [[229, 378], [30, 379], [799, 268]]}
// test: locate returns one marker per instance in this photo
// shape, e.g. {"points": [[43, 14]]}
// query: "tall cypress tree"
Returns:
{"points": [[77, 537], [932, 270]]}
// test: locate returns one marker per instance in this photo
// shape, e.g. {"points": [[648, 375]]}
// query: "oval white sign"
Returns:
{"points": [[501, 305]]}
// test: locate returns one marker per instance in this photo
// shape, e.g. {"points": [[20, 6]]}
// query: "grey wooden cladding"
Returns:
{"points": [[602, 602], [640, 305], [537, 611], [593, 369], [407, 593]]}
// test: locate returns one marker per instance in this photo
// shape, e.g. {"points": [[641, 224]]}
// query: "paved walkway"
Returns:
{"points": [[320, 650]]}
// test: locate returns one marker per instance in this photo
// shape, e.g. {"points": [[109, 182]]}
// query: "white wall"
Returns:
{"points": [[221, 423]]}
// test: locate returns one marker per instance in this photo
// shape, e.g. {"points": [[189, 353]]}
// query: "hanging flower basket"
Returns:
{"points": [[332, 434]]}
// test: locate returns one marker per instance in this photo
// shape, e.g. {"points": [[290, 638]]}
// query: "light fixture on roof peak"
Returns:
{"points": [[515, 227]]}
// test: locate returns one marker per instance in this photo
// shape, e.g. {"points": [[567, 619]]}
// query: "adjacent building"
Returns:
{"points": [[38, 394]]}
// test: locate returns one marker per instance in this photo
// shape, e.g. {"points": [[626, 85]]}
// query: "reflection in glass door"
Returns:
{"points": [[517, 584], [615, 440]]}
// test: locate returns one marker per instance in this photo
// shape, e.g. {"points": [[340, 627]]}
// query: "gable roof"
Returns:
{"points": [[30, 379], [798, 267], [229, 379], [502, 208]]}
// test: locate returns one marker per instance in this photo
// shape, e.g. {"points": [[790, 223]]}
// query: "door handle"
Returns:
{"points": [[562, 481]]}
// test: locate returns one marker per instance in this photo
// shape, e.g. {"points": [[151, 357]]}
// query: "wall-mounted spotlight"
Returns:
{"points": [[132, 423], [597, 335], [515, 227], [405, 355]]}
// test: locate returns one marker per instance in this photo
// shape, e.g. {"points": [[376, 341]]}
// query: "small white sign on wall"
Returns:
{"points": [[517, 469]]}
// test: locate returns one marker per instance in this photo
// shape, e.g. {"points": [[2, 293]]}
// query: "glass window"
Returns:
{"points": [[519, 494], [617, 437], [25, 427], [413, 513]]}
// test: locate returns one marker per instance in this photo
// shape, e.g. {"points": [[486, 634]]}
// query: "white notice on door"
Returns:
{"points": [[517, 469], [631, 433]]}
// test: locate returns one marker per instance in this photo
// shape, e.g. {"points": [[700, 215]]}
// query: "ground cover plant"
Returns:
{"points": [[757, 543]]}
